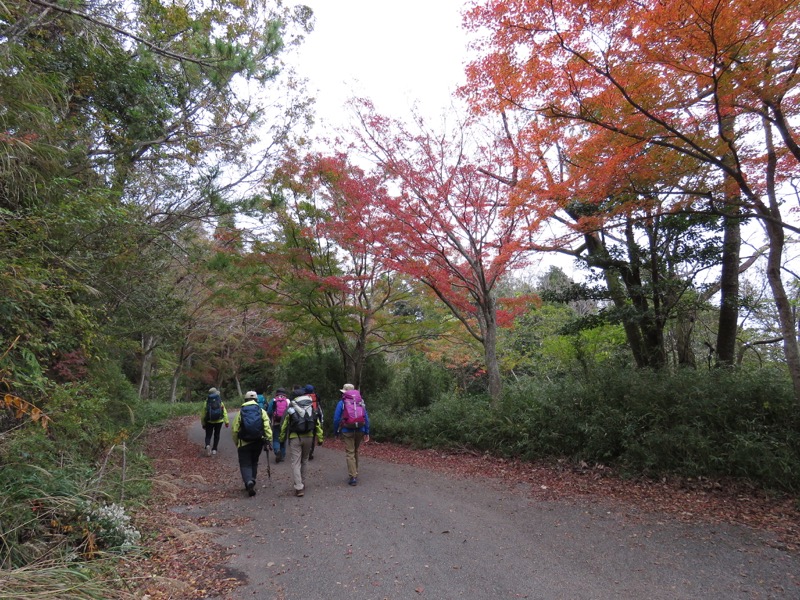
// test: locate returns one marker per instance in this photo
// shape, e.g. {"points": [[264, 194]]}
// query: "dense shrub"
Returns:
{"points": [[718, 423], [416, 383]]}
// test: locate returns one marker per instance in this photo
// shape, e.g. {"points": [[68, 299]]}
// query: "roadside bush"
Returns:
{"points": [[111, 527], [719, 423], [417, 383]]}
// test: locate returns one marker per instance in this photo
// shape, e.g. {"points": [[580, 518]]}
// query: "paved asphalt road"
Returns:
{"points": [[405, 533]]}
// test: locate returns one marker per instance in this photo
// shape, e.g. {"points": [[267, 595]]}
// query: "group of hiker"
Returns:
{"points": [[290, 423]]}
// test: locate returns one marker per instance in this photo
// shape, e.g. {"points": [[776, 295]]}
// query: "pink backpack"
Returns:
{"points": [[354, 415], [280, 405]]}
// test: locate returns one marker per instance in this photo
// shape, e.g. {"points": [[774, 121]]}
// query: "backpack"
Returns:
{"points": [[303, 416], [279, 406], [354, 415], [252, 425], [317, 407], [213, 408]]}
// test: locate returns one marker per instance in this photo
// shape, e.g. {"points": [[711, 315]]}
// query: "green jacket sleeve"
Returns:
{"points": [[225, 414], [284, 427], [267, 426], [235, 429]]}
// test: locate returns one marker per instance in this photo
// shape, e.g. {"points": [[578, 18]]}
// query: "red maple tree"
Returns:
{"points": [[431, 212], [711, 82]]}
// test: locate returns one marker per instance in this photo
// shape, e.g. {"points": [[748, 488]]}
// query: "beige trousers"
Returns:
{"points": [[352, 440], [298, 455]]}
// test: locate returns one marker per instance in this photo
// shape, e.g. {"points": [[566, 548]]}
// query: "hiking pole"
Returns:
{"points": [[266, 451]]}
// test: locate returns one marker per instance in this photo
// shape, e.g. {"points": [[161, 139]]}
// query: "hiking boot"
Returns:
{"points": [[353, 481], [299, 493], [213, 453], [251, 488], [208, 450]]}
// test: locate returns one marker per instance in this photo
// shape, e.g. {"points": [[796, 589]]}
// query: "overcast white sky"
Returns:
{"points": [[395, 53]]}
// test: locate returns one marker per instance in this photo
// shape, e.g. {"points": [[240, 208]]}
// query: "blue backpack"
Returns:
{"points": [[214, 408], [252, 425]]}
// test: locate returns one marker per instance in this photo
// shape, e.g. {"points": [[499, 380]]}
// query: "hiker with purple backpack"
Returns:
{"points": [[351, 421], [276, 409]]}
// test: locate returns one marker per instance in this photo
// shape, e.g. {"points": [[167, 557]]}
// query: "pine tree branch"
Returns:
{"points": [[154, 47]]}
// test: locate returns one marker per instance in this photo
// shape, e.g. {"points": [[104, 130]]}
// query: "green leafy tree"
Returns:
{"points": [[123, 129]]}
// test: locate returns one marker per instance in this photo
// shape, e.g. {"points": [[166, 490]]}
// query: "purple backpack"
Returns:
{"points": [[281, 403], [354, 415]]}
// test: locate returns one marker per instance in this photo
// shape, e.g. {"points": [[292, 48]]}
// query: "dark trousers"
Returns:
{"points": [[278, 447], [213, 428], [248, 460]]}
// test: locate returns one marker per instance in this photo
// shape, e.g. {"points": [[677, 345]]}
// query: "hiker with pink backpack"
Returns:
{"points": [[276, 409], [351, 421]]}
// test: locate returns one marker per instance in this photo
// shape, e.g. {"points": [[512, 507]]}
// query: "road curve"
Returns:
{"points": [[404, 532]]}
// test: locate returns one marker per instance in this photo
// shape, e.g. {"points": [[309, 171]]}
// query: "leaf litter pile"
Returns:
{"points": [[181, 560]]}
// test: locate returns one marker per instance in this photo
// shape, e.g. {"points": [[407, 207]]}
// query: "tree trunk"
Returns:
{"points": [[353, 361], [777, 239], [683, 338], [146, 365], [785, 317], [650, 325], [183, 356], [173, 385], [598, 257], [187, 395], [487, 318], [728, 324]]}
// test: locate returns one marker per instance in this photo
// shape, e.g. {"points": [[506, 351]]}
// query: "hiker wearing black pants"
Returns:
{"points": [[251, 434], [276, 409], [212, 418]]}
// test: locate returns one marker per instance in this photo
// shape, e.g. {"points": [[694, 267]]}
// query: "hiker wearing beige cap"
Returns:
{"points": [[351, 421]]}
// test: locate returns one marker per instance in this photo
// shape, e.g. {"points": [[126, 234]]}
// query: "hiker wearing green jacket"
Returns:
{"points": [[212, 418], [251, 434], [299, 427]]}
